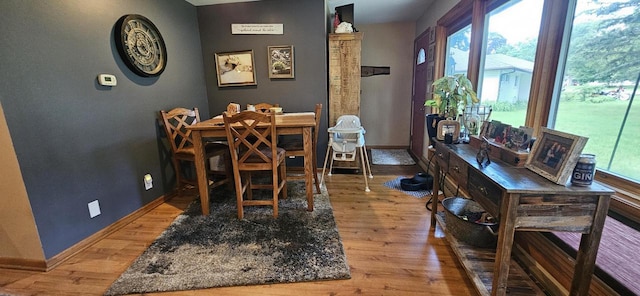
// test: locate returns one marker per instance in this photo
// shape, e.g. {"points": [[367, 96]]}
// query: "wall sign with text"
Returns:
{"points": [[257, 29]]}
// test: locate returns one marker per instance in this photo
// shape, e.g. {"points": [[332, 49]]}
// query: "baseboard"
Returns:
{"points": [[23, 264], [53, 262]]}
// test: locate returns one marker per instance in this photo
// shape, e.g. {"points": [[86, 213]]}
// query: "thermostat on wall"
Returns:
{"points": [[107, 80]]}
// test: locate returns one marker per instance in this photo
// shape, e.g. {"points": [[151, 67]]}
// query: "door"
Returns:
{"points": [[420, 77]]}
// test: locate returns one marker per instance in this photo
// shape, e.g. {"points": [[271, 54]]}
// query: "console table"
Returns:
{"points": [[521, 200]]}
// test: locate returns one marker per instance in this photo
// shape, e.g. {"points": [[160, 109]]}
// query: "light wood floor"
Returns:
{"points": [[386, 235]]}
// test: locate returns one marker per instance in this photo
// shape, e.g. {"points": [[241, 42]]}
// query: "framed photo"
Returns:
{"points": [[235, 68], [555, 154], [430, 70], [448, 127], [280, 61], [431, 51], [432, 35]]}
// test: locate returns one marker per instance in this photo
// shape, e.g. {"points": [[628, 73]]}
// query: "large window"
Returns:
{"points": [[508, 54], [598, 83], [508, 59]]}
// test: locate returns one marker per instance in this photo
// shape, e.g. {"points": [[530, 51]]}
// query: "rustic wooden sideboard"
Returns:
{"points": [[520, 200]]}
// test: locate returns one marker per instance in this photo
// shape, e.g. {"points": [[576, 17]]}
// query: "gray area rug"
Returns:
{"points": [[395, 184], [219, 250], [391, 157]]}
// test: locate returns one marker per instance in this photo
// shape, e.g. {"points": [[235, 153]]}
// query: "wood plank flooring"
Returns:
{"points": [[386, 235]]}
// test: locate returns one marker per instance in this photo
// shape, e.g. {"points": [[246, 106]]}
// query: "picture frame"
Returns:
{"points": [[448, 126], [281, 61], [554, 154], [430, 71], [432, 35], [431, 52], [235, 68]]}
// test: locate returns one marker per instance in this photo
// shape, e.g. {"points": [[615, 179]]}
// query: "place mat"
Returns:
{"points": [[219, 250], [395, 184], [391, 157]]}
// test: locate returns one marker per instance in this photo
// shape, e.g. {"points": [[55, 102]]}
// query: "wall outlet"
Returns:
{"points": [[148, 182], [94, 208]]}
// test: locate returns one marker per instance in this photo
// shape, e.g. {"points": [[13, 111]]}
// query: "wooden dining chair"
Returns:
{"points": [[175, 122], [295, 147], [264, 107], [253, 147]]}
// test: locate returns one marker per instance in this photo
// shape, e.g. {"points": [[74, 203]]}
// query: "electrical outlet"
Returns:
{"points": [[94, 208], [148, 182]]}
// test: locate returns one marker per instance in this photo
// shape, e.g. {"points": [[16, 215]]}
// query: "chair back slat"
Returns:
{"points": [[252, 137], [175, 123]]}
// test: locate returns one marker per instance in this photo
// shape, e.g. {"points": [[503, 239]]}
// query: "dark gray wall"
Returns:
{"points": [[77, 141], [304, 24]]}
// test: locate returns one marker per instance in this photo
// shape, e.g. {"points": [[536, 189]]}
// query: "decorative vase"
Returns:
{"points": [[432, 126]]}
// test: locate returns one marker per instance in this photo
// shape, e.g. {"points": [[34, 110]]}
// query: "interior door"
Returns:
{"points": [[420, 77]]}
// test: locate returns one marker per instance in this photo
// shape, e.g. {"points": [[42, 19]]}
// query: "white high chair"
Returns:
{"points": [[346, 138]]}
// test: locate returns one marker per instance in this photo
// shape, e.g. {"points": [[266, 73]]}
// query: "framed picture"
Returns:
{"points": [[448, 127], [554, 155], [280, 61], [235, 68], [432, 35], [431, 52], [430, 70]]}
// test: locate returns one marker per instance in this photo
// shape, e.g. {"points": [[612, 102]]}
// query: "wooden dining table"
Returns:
{"points": [[293, 123]]}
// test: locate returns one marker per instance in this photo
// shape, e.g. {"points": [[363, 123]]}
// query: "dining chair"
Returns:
{"points": [[346, 139], [253, 146], [294, 146], [175, 122], [265, 107]]}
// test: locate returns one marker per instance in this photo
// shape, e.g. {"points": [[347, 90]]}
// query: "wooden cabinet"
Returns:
{"points": [[344, 75], [521, 200]]}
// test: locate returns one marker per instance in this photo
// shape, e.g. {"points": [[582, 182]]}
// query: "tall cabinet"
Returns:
{"points": [[344, 75]]}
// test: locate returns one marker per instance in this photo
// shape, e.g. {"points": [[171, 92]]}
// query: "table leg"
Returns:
{"points": [[201, 174], [434, 194], [308, 166], [589, 243], [508, 212]]}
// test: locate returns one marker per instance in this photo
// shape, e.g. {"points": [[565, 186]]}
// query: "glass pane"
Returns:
{"points": [[458, 52], [508, 59], [421, 57], [600, 79]]}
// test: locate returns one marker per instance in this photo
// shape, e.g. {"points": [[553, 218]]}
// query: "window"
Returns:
{"points": [[508, 59], [599, 80]]}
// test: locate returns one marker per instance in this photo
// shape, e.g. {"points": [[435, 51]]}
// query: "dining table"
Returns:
{"points": [[290, 123]]}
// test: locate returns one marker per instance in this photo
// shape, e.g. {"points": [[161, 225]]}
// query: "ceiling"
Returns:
{"points": [[365, 11]]}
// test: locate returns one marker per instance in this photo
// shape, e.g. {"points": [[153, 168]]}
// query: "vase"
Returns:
{"points": [[432, 125]]}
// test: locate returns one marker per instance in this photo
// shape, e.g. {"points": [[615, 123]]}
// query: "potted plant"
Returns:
{"points": [[452, 93]]}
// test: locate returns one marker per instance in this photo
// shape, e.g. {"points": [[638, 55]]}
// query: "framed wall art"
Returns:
{"points": [[432, 35], [281, 61], [235, 68], [554, 155]]}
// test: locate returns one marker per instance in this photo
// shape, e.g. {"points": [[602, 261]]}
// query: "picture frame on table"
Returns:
{"points": [[235, 68], [448, 126], [554, 154], [281, 61]]}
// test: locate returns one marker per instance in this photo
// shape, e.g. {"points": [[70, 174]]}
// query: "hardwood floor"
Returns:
{"points": [[386, 235]]}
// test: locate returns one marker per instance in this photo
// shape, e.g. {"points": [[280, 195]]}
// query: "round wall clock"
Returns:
{"points": [[140, 45]]}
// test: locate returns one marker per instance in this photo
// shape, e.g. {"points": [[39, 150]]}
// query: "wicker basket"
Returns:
{"points": [[483, 235]]}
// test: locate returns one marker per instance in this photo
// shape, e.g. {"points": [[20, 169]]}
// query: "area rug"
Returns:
{"points": [[219, 250], [391, 157], [395, 184]]}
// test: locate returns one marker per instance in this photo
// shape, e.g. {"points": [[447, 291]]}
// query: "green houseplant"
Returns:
{"points": [[452, 93]]}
